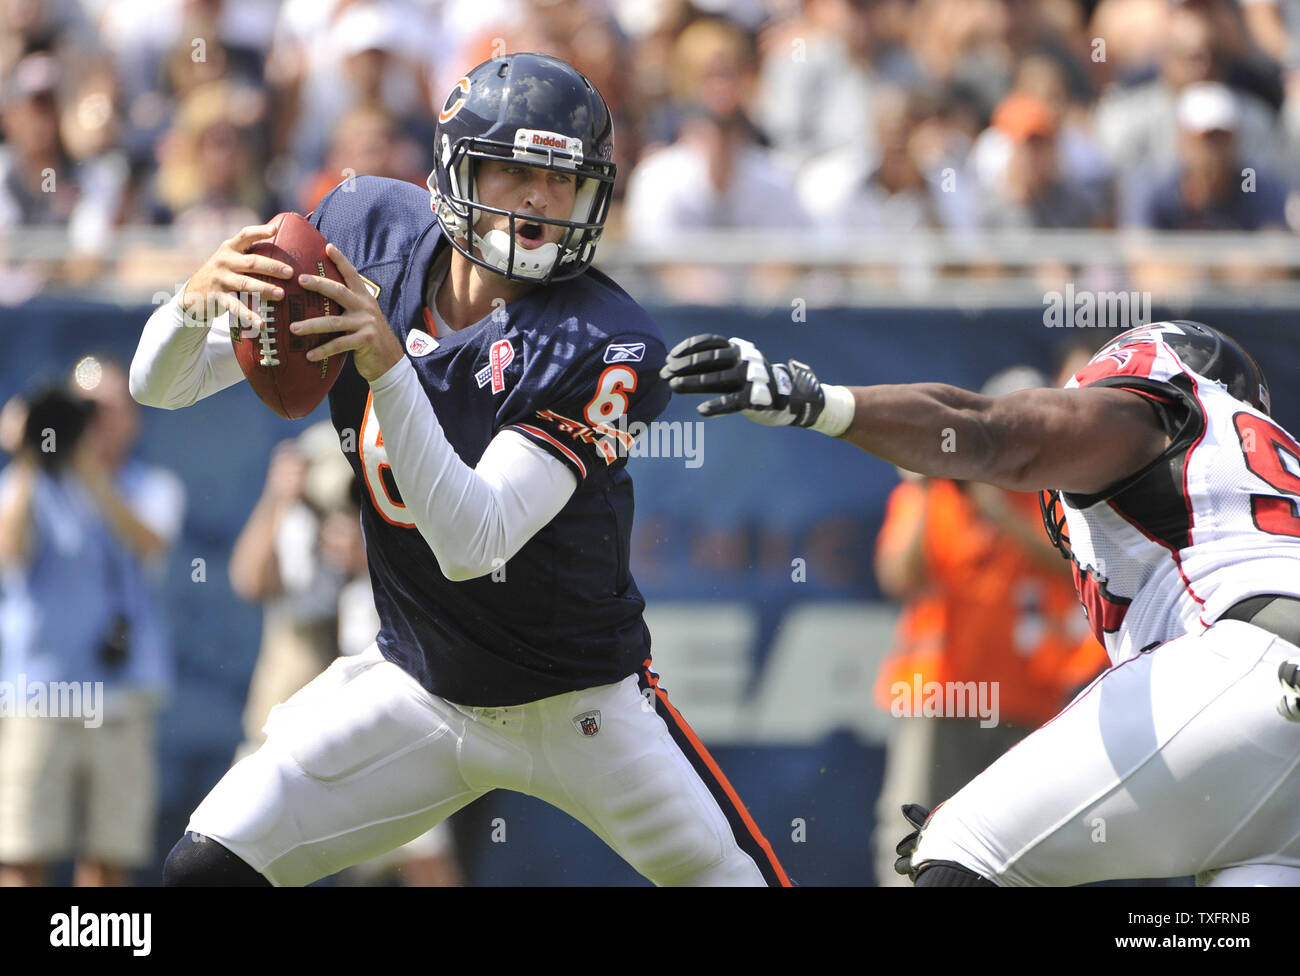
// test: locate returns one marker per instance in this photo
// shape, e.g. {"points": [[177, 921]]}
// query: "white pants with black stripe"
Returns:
{"points": [[363, 759], [1173, 763]]}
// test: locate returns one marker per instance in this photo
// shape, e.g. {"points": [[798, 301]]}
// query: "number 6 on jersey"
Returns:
{"points": [[374, 461], [610, 401]]}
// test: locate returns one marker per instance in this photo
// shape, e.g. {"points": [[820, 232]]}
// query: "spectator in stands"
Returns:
{"points": [[1266, 25], [717, 173], [1029, 189], [1245, 67], [41, 183], [176, 45], [1138, 126], [1081, 161], [166, 49], [711, 63], [1015, 31], [367, 141], [209, 184], [1213, 187], [986, 599], [328, 56], [91, 121], [1129, 38], [209, 180], [84, 533], [898, 188], [29, 26], [820, 76]]}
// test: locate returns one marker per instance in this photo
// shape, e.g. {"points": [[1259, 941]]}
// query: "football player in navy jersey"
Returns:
{"points": [[492, 382]]}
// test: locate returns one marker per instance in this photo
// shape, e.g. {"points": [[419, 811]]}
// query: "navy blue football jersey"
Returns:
{"points": [[561, 366]]}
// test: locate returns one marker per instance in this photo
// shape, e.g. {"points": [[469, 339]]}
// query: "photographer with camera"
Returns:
{"points": [[84, 533]]}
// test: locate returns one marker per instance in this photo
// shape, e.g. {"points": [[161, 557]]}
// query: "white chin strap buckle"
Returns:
{"points": [[494, 248]]}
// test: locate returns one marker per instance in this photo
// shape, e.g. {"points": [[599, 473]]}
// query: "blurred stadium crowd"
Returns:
{"points": [[845, 117]]}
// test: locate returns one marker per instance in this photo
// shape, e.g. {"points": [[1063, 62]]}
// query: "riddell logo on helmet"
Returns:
{"points": [[530, 142]]}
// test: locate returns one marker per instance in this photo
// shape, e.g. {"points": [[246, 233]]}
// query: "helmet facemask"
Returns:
{"points": [[459, 209], [1058, 533]]}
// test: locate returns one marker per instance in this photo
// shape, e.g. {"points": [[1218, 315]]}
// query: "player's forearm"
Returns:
{"points": [[473, 520], [178, 362], [936, 430], [1075, 440]]}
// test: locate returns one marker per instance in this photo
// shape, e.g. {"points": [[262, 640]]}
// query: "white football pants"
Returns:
{"points": [[363, 759], [1173, 763]]}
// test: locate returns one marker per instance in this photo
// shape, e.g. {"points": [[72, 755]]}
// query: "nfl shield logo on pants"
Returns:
{"points": [[588, 723]]}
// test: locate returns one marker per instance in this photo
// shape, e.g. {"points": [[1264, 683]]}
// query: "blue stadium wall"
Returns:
{"points": [[759, 544]]}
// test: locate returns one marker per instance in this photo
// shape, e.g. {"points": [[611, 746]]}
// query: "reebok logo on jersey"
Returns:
{"points": [[588, 723], [501, 355], [625, 352], [420, 344]]}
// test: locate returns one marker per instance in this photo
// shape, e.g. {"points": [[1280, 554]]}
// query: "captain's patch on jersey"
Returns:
{"points": [[369, 285], [421, 344], [625, 352], [588, 723]]}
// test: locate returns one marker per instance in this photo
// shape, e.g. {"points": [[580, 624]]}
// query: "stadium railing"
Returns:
{"points": [[770, 267]]}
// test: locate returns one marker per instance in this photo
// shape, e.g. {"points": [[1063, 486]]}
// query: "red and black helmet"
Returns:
{"points": [[1207, 351], [1204, 350]]}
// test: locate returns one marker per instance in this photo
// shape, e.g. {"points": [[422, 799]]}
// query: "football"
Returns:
{"points": [[275, 361]]}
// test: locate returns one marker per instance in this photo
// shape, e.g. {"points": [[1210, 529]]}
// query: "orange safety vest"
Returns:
{"points": [[992, 611]]}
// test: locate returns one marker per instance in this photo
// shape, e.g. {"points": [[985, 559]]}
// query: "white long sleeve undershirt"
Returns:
{"points": [[177, 363], [473, 519]]}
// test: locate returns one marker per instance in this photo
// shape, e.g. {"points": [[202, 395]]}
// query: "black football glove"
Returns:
{"points": [[1288, 676], [772, 395], [916, 815]]}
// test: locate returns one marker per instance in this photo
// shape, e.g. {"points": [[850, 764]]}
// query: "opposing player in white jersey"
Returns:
{"points": [[1178, 500]]}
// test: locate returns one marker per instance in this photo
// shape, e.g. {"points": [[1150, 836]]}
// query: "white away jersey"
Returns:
{"points": [[1215, 519]]}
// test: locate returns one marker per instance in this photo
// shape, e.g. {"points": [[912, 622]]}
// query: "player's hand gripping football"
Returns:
{"points": [[224, 282], [365, 330], [775, 395]]}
